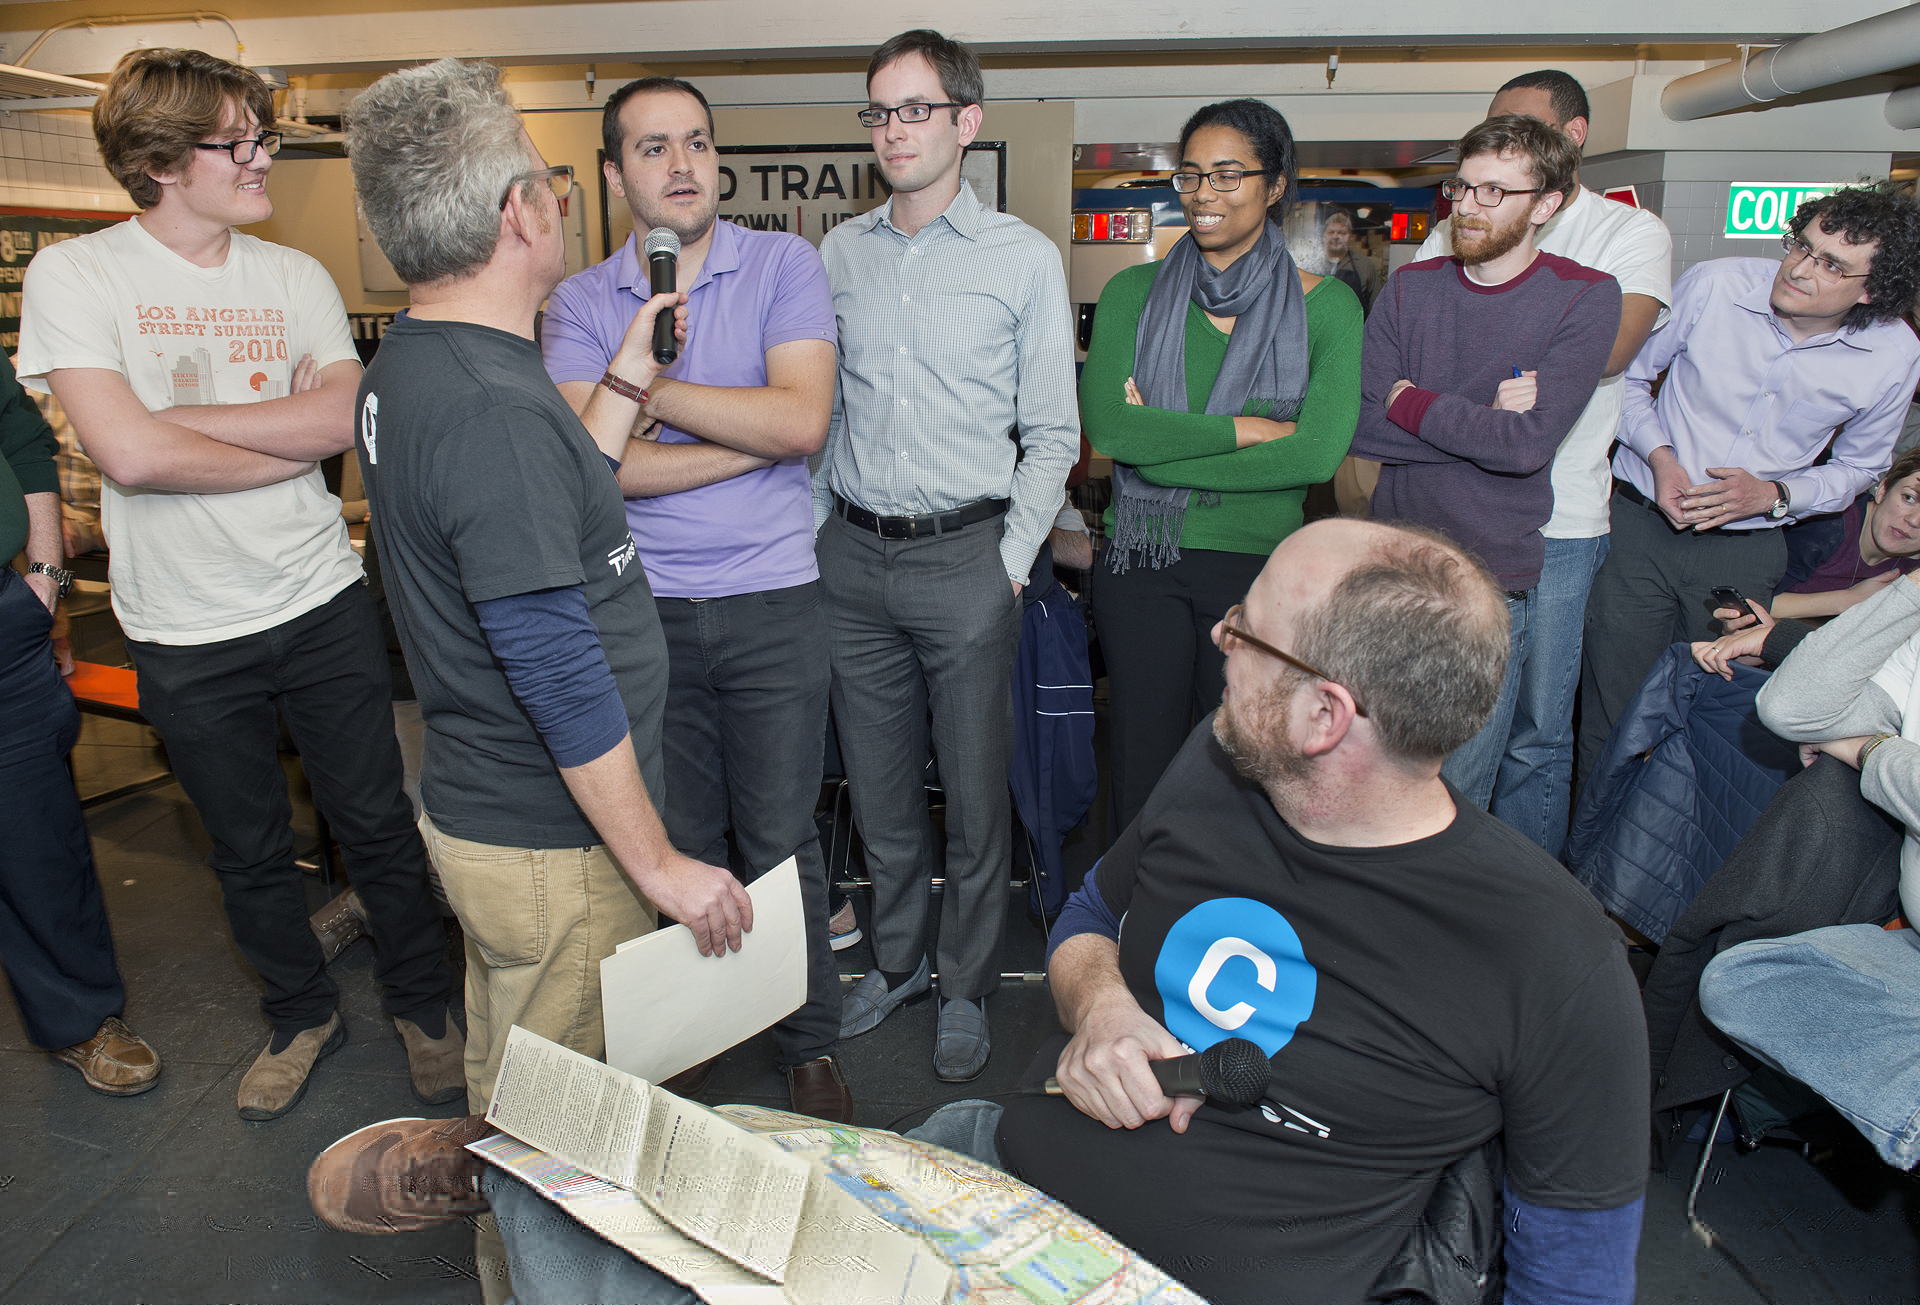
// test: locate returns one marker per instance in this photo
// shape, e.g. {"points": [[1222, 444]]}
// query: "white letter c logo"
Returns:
{"points": [[1224, 950]]}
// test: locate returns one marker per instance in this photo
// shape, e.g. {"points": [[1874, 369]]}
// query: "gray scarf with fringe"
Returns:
{"points": [[1263, 375]]}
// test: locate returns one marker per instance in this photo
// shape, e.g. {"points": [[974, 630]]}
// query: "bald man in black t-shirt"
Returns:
{"points": [[1423, 979]]}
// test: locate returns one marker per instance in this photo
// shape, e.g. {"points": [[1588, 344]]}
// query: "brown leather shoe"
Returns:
{"points": [[115, 1060], [438, 1066], [819, 1088], [339, 924], [400, 1175], [275, 1084], [690, 1082]]}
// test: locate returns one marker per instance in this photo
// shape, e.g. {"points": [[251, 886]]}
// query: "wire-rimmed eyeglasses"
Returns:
{"points": [[559, 178], [1798, 249], [876, 116], [1486, 194], [1230, 628], [242, 151], [1221, 179]]}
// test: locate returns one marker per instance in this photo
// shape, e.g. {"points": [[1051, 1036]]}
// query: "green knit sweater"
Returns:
{"points": [[27, 447], [1261, 488]]}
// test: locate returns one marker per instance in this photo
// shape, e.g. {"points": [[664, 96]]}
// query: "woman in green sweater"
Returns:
{"points": [[1222, 381]]}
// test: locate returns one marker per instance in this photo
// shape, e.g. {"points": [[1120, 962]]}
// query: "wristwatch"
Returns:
{"points": [[61, 576], [1781, 505]]}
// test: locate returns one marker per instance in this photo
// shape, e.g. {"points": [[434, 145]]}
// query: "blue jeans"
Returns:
{"points": [[1534, 790], [557, 1260], [1471, 767], [1838, 1009]]}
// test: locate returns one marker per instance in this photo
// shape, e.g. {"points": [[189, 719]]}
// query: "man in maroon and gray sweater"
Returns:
{"points": [[1475, 368]]}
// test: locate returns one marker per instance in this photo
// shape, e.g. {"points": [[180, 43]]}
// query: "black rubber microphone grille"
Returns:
{"points": [[1235, 1071]]}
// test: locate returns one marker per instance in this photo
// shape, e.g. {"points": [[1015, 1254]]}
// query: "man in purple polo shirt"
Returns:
{"points": [[713, 463]]}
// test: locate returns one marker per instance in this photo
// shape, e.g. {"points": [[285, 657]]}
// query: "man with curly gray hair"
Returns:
{"points": [[514, 579]]}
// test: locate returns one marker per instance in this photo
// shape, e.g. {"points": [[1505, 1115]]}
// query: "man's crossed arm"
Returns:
{"points": [[211, 448]]}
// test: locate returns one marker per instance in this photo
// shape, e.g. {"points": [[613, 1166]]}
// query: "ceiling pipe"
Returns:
{"points": [[1903, 108], [1864, 49]]}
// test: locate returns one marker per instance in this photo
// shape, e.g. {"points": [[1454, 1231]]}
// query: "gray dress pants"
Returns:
{"points": [[1655, 589], [925, 628]]}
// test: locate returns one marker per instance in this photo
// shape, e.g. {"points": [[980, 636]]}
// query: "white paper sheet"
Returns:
{"points": [[667, 1008]]}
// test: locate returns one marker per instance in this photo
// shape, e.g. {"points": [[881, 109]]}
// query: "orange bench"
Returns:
{"points": [[111, 691], [114, 692]]}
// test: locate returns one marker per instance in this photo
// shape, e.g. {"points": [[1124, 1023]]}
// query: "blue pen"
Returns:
{"points": [[1516, 373]]}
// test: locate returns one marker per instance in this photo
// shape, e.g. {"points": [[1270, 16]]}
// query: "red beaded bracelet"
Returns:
{"points": [[625, 389]]}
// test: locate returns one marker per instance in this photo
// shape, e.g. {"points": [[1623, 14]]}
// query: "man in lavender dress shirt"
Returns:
{"points": [[1766, 364], [713, 463]]}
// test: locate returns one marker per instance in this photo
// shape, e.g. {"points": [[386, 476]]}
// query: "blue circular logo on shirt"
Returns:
{"points": [[1234, 968]]}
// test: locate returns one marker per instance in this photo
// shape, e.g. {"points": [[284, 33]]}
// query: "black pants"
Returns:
{"points": [[1655, 589], [54, 939], [1163, 673], [216, 705], [745, 737]]}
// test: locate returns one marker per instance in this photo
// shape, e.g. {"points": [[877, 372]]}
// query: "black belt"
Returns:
{"points": [[924, 526], [1627, 490]]}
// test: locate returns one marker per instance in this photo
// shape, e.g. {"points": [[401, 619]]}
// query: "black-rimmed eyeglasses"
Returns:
{"points": [[1223, 179], [875, 116], [1486, 194], [1230, 628], [559, 178], [242, 151]]}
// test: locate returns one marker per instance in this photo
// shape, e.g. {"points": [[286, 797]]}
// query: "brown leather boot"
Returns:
{"points": [[115, 1060], [275, 1084], [438, 1066]]}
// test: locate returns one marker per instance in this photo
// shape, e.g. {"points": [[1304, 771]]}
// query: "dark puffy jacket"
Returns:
{"points": [[1685, 773]]}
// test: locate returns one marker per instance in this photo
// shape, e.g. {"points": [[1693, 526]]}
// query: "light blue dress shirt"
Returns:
{"points": [[951, 339], [1741, 392]]}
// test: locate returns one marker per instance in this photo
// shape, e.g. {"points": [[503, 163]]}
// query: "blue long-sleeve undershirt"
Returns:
{"points": [[1571, 1257], [550, 650]]}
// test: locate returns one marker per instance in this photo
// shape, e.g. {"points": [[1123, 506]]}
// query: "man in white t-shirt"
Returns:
{"points": [[1533, 790], [206, 373]]}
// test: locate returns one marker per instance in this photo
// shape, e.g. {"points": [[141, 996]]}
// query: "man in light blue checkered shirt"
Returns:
{"points": [[953, 431]]}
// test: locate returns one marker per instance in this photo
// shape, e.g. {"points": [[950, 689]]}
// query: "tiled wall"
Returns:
{"points": [[1688, 189], [48, 160]]}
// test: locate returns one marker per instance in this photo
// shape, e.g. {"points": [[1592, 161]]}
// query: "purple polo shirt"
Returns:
{"points": [[756, 289]]}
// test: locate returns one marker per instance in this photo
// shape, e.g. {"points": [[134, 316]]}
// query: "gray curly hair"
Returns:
{"points": [[433, 149]]}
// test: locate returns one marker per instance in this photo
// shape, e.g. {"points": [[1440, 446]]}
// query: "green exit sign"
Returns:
{"points": [[1761, 210]]}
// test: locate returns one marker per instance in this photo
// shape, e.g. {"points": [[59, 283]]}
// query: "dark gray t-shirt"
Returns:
{"points": [[482, 484]]}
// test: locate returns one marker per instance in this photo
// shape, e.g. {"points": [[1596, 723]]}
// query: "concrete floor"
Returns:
{"points": [[170, 1197]]}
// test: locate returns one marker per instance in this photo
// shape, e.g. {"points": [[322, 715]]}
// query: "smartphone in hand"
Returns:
{"points": [[1728, 596]]}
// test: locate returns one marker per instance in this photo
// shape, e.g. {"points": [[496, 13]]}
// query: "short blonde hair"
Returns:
{"points": [[159, 104]]}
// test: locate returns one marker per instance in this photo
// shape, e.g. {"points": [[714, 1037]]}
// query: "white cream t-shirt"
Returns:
{"points": [[197, 568], [1633, 247]]}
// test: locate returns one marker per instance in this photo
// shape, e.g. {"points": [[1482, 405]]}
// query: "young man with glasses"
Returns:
{"points": [[1475, 368], [944, 469], [713, 462], [206, 373], [1532, 791], [1767, 365]]}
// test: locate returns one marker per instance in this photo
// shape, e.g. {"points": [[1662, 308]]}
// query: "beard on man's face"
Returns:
{"points": [[1256, 737], [1476, 239]]}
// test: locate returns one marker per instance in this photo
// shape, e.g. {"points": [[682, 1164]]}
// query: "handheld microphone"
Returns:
{"points": [[1233, 1072], [663, 261]]}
